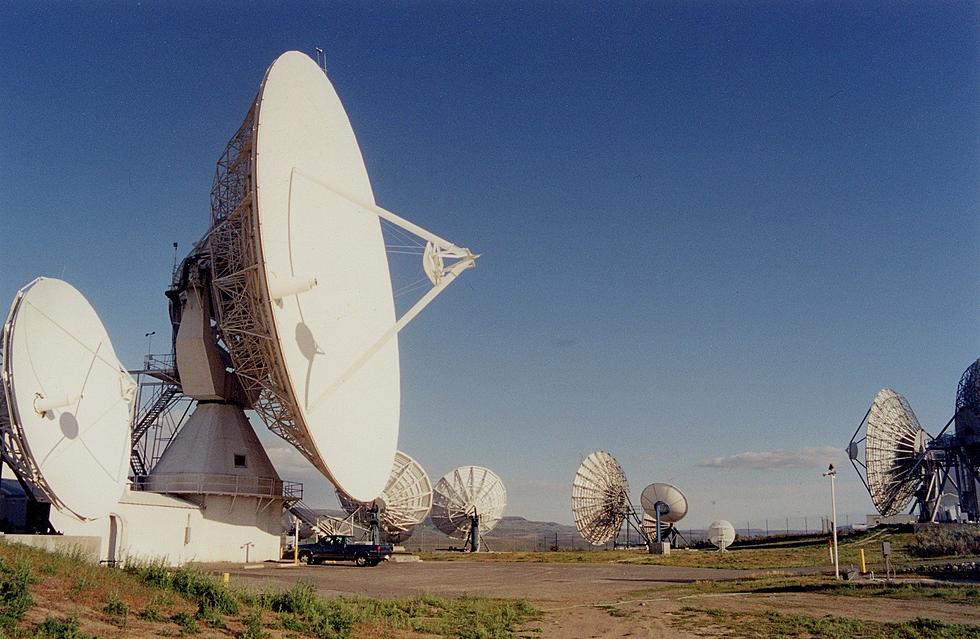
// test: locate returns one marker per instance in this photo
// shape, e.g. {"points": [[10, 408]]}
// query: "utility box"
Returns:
{"points": [[886, 548], [663, 548]]}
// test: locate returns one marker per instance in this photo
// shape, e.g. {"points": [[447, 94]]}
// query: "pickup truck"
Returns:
{"points": [[341, 548]]}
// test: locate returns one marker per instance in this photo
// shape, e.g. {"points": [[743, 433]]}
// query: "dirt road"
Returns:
{"points": [[587, 600], [535, 581]]}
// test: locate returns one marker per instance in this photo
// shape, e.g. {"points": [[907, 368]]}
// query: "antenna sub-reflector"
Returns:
{"points": [[282, 287], [43, 405]]}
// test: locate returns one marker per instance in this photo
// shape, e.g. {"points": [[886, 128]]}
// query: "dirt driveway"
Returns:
{"points": [[585, 600], [583, 583]]}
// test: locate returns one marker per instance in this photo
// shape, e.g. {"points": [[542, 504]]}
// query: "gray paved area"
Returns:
{"points": [[535, 581]]}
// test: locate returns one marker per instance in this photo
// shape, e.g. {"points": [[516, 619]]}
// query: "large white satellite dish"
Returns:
{"points": [[301, 283], [463, 493], [402, 505], [600, 497], [70, 401]]}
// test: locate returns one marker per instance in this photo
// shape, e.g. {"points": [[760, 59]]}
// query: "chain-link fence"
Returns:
{"points": [[516, 534]]}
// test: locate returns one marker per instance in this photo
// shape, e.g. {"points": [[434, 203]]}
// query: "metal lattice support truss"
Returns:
{"points": [[12, 441], [600, 498], [245, 323], [402, 505]]}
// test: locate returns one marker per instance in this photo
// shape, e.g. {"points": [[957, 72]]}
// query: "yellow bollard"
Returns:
{"points": [[863, 567], [224, 578]]}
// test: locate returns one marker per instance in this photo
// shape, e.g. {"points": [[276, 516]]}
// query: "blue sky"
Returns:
{"points": [[708, 228]]}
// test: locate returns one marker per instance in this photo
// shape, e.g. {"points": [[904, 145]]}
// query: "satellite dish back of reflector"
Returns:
{"points": [[721, 534], [649, 524], [893, 450], [666, 499], [70, 401], [402, 505], [600, 497], [968, 412], [464, 492], [298, 255]]}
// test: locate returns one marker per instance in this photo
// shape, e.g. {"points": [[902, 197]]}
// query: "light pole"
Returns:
{"points": [[149, 341], [833, 509]]}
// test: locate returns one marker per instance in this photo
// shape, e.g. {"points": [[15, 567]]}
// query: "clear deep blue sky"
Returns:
{"points": [[708, 228]]}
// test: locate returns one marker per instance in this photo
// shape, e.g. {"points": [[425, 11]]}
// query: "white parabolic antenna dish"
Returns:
{"points": [[666, 494], [69, 399], [464, 491], [402, 505], [721, 533], [298, 256], [600, 494], [894, 446]]}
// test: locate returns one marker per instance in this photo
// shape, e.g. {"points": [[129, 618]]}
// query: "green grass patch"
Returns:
{"points": [[964, 594], [15, 594], [300, 609], [53, 628], [158, 594], [207, 591], [776, 625]]}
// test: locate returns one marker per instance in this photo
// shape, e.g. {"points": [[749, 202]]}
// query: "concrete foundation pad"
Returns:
{"points": [[86, 546]]}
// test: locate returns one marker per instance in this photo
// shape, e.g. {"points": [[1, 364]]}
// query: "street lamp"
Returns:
{"points": [[833, 505], [149, 340]]}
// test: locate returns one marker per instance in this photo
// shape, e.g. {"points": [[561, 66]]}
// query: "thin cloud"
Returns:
{"points": [[775, 459]]}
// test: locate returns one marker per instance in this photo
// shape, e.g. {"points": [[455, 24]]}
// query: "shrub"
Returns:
{"points": [[52, 628], [15, 594], [207, 591], [945, 540]]}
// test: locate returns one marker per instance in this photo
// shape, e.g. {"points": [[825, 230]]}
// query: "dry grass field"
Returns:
{"points": [[776, 590]]}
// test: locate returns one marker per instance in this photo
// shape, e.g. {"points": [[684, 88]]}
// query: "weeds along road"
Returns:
{"points": [[533, 581]]}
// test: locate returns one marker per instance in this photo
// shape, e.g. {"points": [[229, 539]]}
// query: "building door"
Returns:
{"points": [[115, 535]]}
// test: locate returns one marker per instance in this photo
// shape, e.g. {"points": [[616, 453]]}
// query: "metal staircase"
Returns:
{"points": [[166, 396]]}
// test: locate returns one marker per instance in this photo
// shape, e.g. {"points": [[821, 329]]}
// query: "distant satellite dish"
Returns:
{"points": [[893, 451], [721, 534], [968, 412], [463, 493], [600, 497], [70, 401], [300, 279], [402, 505], [665, 498]]}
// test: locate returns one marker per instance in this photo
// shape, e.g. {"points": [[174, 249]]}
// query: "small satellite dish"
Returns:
{"points": [[665, 499], [466, 493], [893, 451], [70, 401], [402, 505], [721, 534], [600, 497]]}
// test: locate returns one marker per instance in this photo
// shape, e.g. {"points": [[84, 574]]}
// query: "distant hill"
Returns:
{"points": [[510, 534]]}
